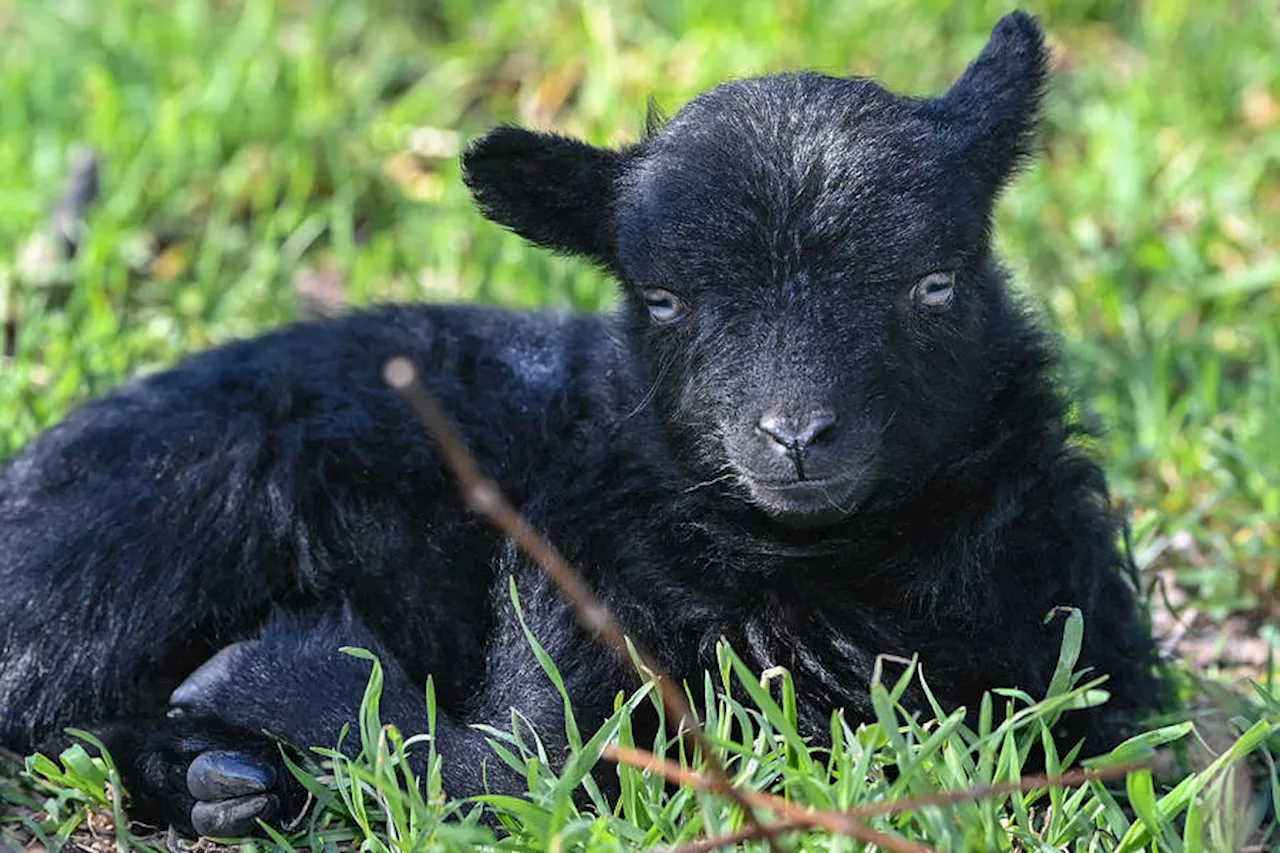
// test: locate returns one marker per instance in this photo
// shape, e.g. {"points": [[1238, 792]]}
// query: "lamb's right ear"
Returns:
{"points": [[996, 101], [557, 192]]}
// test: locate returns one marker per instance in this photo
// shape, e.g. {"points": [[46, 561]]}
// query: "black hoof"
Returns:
{"points": [[232, 792], [233, 818]]}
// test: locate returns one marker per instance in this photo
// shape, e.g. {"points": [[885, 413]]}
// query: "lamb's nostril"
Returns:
{"points": [[820, 426], [797, 433]]}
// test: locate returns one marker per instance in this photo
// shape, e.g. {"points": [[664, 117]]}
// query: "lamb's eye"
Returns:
{"points": [[664, 306], [935, 292]]}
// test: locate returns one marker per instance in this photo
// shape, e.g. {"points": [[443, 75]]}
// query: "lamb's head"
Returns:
{"points": [[806, 268]]}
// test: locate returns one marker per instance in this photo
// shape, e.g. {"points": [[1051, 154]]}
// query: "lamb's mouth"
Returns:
{"points": [[806, 503]]}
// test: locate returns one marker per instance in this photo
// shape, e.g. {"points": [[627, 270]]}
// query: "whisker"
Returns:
{"points": [[835, 504], [653, 389], [728, 475]]}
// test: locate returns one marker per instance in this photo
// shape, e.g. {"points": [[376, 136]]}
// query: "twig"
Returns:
{"points": [[483, 496], [715, 842], [9, 345], [847, 820], [842, 823], [1169, 645], [67, 218]]}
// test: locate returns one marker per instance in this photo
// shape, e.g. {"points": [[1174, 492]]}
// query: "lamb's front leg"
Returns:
{"points": [[294, 682], [210, 768]]}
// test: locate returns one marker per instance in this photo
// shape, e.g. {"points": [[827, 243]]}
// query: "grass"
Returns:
{"points": [[252, 150], [373, 801]]}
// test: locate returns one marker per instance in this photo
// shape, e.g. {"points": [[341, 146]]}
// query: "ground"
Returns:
{"points": [[257, 160]]}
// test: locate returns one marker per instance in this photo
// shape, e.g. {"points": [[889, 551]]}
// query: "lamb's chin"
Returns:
{"points": [[807, 504]]}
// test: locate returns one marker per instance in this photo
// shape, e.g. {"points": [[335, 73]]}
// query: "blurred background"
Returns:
{"points": [[177, 174]]}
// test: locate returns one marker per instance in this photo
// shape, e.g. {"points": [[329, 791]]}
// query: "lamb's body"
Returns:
{"points": [[819, 465], [289, 475], [253, 438]]}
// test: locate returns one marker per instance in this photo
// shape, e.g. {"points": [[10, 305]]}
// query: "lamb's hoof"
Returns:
{"points": [[233, 791]]}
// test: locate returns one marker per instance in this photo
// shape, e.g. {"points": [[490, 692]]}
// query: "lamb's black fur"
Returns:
{"points": [[783, 438]]}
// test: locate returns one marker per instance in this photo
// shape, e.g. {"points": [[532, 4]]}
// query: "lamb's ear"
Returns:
{"points": [[994, 106], [557, 192]]}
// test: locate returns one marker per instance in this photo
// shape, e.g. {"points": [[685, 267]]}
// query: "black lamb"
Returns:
{"points": [[819, 425]]}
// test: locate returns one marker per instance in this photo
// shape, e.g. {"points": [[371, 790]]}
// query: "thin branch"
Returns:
{"points": [[849, 821], [483, 496], [750, 833], [840, 823]]}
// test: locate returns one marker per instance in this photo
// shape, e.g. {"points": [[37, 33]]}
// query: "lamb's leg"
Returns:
{"points": [[295, 683]]}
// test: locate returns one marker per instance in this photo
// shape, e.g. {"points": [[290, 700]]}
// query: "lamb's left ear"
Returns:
{"points": [[557, 192], [993, 108]]}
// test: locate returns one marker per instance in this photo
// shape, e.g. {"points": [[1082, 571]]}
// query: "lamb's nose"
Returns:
{"points": [[797, 433]]}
